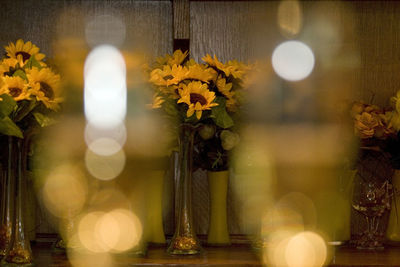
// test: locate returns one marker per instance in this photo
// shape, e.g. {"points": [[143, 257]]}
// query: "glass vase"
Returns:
{"points": [[8, 193], [218, 229], [184, 240], [19, 252], [371, 199]]}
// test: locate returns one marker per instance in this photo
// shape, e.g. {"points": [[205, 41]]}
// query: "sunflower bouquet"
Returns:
{"points": [[208, 94], [29, 90]]}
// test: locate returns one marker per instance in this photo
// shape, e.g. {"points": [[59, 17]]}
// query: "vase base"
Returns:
{"points": [[11, 264], [184, 245], [183, 251]]}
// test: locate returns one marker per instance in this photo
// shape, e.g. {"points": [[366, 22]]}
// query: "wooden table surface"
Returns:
{"points": [[235, 255]]}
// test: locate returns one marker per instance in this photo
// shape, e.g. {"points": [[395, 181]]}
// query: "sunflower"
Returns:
{"points": [[7, 66], [176, 59], [214, 62], [1, 84], [201, 73], [226, 90], [157, 101], [191, 62], [233, 67], [45, 87], [197, 96], [23, 51], [237, 69], [396, 101], [223, 87], [168, 75], [16, 87]]}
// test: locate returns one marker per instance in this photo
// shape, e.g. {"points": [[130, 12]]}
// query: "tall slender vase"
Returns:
{"points": [[8, 193], [218, 187], [19, 252], [184, 240], [154, 222], [393, 230]]}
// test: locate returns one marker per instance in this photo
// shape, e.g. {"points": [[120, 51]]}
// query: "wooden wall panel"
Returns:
{"points": [[148, 22], [365, 38], [378, 32]]}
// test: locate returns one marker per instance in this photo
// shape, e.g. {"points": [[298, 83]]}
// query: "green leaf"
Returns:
{"points": [[21, 74], [24, 108], [8, 127], [32, 62], [170, 107], [219, 114], [43, 120], [7, 105]]}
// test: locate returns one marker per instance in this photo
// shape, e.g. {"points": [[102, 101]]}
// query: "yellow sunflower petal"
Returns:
{"points": [[190, 112], [198, 114]]}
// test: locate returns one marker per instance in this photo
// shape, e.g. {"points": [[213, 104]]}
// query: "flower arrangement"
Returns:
{"points": [[379, 128], [378, 131], [208, 94], [29, 90], [370, 121]]}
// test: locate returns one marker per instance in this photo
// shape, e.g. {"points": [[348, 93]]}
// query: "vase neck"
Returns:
{"points": [[184, 240], [184, 182], [19, 249]]}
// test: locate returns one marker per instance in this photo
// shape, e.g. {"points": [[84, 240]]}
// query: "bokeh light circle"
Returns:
{"points": [[306, 249], [293, 60], [105, 141], [105, 167], [65, 191]]}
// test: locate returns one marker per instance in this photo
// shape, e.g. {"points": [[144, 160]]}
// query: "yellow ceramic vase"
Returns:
{"points": [[393, 229], [154, 231], [218, 229]]}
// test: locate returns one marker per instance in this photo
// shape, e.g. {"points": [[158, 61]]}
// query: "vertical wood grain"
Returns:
{"points": [[378, 32], [181, 11]]}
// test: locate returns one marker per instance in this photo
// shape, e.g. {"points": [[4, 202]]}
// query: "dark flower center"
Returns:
{"points": [[25, 56], [47, 90], [15, 91], [194, 98]]}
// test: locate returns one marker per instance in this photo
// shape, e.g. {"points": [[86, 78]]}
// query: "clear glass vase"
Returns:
{"points": [[8, 199], [371, 199], [184, 240], [19, 252]]}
